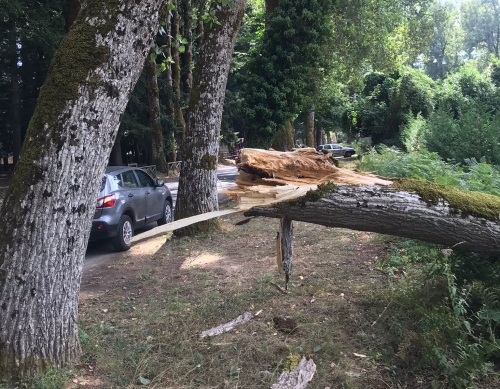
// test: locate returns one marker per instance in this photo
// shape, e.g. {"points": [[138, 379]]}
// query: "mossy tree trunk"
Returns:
{"points": [[284, 139], [310, 128], [46, 216], [198, 180], [395, 211], [157, 152]]}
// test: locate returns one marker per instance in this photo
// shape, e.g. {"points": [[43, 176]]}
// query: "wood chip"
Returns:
{"points": [[297, 378]]}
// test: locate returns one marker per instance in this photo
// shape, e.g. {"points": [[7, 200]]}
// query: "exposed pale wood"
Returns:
{"points": [[267, 177], [181, 223], [229, 326], [297, 378]]}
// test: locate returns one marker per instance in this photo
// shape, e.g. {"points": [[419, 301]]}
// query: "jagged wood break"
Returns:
{"points": [[306, 186]]}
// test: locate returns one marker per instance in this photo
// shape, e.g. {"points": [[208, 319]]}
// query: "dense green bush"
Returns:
{"points": [[455, 295]]}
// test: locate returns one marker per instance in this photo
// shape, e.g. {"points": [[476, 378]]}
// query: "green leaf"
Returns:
{"points": [[225, 2], [198, 380], [184, 41], [222, 356], [233, 370], [152, 57], [121, 381], [144, 381], [171, 6], [182, 49], [197, 357], [316, 349]]}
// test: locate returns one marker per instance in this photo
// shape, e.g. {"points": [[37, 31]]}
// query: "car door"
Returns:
{"points": [[134, 195], [155, 196], [337, 151]]}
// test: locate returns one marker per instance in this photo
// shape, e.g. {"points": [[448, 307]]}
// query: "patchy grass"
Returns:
{"points": [[351, 297]]}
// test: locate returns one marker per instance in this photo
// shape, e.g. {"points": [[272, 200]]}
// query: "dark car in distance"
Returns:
{"points": [[129, 198], [338, 150]]}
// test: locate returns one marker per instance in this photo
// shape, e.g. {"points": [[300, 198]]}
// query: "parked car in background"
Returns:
{"points": [[129, 198], [338, 150]]}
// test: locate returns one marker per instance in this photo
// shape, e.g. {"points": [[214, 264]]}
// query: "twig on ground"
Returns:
{"points": [[282, 290]]}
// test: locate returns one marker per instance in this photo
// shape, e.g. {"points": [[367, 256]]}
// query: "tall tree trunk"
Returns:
{"points": [[15, 98], [198, 179], [167, 50], [157, 152], [386, 210], [46, 216], [328, 137], [310, 128], [176, 78], [284, 138], [115, 159], [187, 56], [318, 132]]}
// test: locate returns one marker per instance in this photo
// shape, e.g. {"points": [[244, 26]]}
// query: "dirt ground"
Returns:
{"points": [[162, 294]]}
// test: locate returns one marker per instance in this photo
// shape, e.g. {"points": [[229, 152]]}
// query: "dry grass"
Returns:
{"points": [[143, 318]]}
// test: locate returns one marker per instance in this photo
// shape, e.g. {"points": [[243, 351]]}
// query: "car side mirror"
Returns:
{"points": [[159, 183]]}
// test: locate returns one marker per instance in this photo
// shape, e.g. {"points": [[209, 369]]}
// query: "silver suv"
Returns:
{"points": [[128, 199]]}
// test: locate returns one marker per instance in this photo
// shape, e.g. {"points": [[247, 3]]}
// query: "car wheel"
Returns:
{"points": [[348, 154], [168, 215], [122, 240]]}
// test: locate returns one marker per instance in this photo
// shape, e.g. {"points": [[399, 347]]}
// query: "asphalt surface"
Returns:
{"points": [[102, 249]]}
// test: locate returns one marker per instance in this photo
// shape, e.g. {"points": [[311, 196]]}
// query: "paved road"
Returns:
{"points": [[102, 249]]}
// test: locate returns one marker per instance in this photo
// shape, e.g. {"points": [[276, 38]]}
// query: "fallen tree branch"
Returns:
{"points": [[229, 326], [386, 210]]}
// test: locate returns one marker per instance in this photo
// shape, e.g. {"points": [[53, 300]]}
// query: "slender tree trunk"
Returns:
{"points": [[176, 78], [157, 152], [328, 137], [167, 49], [46, 216], [15, 97], [386, 210], [198, 179], [115, 159], [318, 132], [187, 56], [310, 129], [284, 138]]}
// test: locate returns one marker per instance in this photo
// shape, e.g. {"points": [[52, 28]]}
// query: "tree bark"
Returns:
{"points": [[286, 236], [187, 56], [46, 216], [167, 50], [176, 78], [198, 179], [284, 138], [385, 210], [15, 99], [157, 152], [310, 129], [115, 159]]}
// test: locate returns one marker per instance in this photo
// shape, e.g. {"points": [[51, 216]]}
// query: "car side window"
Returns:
{"points": [[144, 179], [117, 180], [336, 147], [328, 147], [129, 180]]}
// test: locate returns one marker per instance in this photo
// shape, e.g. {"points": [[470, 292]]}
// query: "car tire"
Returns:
{"points": [[168, 214], [122, 240], [348, 154]]}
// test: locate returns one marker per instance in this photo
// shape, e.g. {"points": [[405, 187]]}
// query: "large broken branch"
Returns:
{"points": [[275, 184], [386, 210]]}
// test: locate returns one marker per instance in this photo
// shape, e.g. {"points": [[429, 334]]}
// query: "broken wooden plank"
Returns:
{"points": [[297, 378], [182, 223]]}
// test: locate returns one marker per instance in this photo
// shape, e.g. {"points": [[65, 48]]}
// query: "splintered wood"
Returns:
{"points": [[268, 177]]}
